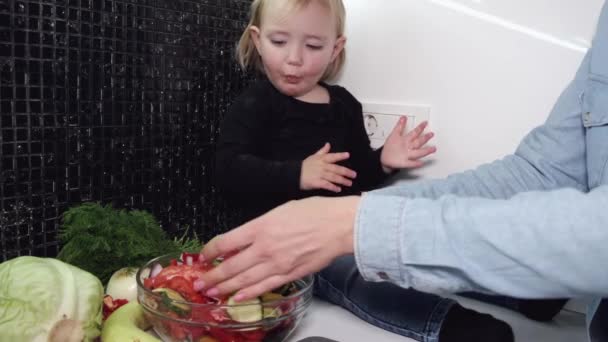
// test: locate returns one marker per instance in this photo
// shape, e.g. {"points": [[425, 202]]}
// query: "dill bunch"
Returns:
{"points": [[100, 239]]}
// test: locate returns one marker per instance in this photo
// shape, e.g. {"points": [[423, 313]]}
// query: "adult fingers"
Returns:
{"points": [[219, 279], [228, 242], [271, 283], [249, 277]]}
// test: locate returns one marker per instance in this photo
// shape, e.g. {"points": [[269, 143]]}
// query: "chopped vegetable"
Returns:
{"points": [[110, 305], [245, 312], [169, 296], [268, 314], [44, 299]]}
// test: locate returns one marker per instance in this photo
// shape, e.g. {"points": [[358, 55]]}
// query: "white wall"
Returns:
{"points": [[490, 69]]}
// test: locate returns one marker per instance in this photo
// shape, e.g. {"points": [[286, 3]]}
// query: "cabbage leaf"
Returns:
{"points": [[44, 299]]}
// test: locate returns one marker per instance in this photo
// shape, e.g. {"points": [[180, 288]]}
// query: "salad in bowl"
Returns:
{"points": [[179, 313]]}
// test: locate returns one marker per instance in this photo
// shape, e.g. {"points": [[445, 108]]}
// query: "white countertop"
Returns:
{"points": [[330, 321]]}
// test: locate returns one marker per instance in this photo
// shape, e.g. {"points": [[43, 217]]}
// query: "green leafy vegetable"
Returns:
{"points": [[44, 299], [101, 240]]}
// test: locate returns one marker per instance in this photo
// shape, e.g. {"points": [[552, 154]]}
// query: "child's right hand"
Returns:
{"points": [[319, 171]]}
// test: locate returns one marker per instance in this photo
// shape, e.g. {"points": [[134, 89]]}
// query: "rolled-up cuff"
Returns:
{"points": [[377, 235]]}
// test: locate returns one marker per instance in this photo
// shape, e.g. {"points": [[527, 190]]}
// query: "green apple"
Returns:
{"points": [[127, 324]]}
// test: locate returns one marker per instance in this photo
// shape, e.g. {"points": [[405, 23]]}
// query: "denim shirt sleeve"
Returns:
{"points": [[526, 246], [509, 227]]}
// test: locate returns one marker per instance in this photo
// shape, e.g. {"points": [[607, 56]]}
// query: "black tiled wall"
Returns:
{"points": [[112, 101]]}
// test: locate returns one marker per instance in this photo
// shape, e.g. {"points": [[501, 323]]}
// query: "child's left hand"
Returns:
{"points": [[405, 151]]}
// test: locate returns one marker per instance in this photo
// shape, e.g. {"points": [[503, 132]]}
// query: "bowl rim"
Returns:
{"points": [[308, 283]]}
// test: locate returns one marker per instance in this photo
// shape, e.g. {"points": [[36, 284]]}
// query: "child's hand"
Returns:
{"points": [[319, 171], [404, 151]]}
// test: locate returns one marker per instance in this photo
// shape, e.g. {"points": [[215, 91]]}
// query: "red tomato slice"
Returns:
{"points": [[191, 273], [224, 335], [253, 335]]}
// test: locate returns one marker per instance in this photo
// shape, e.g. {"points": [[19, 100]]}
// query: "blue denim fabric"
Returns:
{"points": [[406, 312]]}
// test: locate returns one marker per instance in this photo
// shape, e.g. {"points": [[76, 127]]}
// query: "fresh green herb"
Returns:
{"points": [[101, 240]]}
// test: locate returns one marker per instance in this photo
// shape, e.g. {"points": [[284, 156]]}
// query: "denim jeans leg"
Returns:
{"points": [[402, 311], [537, 309]]}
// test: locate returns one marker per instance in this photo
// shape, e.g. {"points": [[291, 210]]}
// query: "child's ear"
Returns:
{"points": [[254, 31], [338, 47]]}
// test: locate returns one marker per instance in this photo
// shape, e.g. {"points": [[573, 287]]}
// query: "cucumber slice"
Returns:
{"points": [[245, 312], [271, 297], [272, 313], [168, 297]]}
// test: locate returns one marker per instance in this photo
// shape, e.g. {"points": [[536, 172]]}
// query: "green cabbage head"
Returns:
{"points": [[47, 300]]}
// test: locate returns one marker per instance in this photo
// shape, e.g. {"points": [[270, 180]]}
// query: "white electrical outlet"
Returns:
{"points": [[379, 119]]}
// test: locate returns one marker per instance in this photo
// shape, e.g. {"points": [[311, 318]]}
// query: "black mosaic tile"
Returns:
{"points": [[116, 101]]}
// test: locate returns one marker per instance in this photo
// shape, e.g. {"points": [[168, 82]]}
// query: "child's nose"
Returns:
{"points": [[295, 55]]}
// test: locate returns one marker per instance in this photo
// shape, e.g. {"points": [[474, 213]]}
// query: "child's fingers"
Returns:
{"points": [[324, 150], [332, 158], [341, 170], [421, 141], [400, 126], [329, 186], [421, 152], [337, 179], [418, 130]]}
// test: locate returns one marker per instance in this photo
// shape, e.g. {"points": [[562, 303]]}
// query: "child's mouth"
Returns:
{"points": [[292, 79]]}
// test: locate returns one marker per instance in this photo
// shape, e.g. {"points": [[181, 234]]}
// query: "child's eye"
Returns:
{"points": [[278, 42], [314, 47]]}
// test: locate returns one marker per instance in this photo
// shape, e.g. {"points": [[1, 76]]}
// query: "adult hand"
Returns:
{"points": [[404, 151], [289, 242], [320, 171]]}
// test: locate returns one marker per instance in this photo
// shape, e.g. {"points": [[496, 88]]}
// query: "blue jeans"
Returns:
{"points": [[406, 312]]}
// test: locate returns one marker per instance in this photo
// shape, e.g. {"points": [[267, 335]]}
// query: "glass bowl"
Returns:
{"points": [[270, 317]]}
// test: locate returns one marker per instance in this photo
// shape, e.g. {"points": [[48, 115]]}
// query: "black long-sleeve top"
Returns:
{"points": [[266, 135]]}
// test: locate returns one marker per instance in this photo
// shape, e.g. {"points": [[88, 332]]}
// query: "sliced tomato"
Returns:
{"points": [[224, 335], [256, 335], [209, 314], [191, 273], [195, 332], [184, 287]]}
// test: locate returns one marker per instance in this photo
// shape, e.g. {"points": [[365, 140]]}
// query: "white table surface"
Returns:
{"points": [[330, 321]]}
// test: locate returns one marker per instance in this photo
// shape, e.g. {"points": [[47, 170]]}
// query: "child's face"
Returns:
{"points": [[297, 48]]}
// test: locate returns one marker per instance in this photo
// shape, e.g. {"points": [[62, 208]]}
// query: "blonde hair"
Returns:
{"points": [[247, 54]]}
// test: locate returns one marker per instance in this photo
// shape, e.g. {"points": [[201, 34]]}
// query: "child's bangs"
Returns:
{"points": [[287, 7]]}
